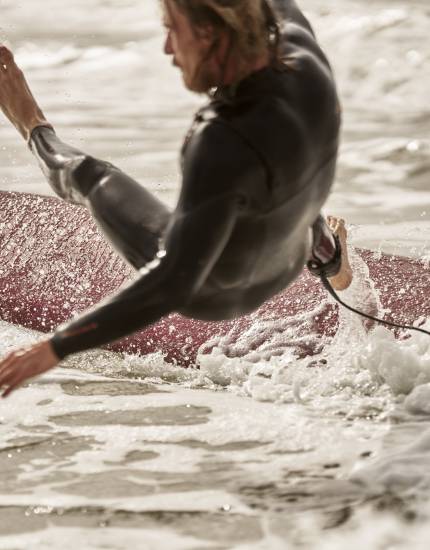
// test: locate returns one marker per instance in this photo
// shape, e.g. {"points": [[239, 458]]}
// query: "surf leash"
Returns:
{"points": [[332, 291], [326, 270]]}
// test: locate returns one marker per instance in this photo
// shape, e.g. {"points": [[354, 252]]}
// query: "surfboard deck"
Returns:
{"points": [[54, 263]]}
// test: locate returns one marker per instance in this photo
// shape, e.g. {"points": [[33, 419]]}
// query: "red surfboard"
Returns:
{"points": [[54, 263]]}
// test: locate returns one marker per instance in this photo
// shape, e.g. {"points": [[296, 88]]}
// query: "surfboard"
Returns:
{"points": [[55, 263]]}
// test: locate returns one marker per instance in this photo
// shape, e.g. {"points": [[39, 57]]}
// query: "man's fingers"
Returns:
{"points": [[24, 364], [5, 370], [12, 378], [5, 365], [6, 393], [7, 376], [10, 360], [8, 368], [13, 384], [6, 55]]}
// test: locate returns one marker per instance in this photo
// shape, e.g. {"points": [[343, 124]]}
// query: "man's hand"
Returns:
{"points": [[22, 364], [16, 100]]}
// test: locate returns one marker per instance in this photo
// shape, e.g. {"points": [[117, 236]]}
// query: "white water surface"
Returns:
{"points": [[113, 452]]}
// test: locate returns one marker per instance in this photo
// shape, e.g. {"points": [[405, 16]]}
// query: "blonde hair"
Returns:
{"points": [[252, 24]]}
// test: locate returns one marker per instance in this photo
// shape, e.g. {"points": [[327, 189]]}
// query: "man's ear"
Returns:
{"points": [[207, 33]]}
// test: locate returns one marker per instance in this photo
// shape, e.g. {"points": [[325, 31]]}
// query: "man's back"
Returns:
{"points": [[272, 140]]}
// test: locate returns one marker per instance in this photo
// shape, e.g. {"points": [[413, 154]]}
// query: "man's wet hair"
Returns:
{"points": [[252, 24]]}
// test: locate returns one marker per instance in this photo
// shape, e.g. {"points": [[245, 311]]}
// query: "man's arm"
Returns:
{"points": [[214, 195], [195, 242], [223, 178]]}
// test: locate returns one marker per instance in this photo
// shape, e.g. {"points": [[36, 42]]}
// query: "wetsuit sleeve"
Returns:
{"points": [[212, 199], [195, 242]]}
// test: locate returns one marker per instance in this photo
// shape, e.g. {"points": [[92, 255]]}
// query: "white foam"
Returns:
{"points": [[371, 395], [70, 538]]}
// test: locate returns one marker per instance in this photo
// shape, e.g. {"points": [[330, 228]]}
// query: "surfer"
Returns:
{"points": [[258, 164]]}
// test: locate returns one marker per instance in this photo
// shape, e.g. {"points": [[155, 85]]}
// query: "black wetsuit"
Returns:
{"points": [[258, 164]]}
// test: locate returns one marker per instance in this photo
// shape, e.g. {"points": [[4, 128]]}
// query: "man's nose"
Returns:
{"points": [[168, 50]]}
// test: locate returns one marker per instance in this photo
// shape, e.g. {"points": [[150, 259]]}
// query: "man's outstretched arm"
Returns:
{"points": [[222, 178], [215, 193], [195, 243]]}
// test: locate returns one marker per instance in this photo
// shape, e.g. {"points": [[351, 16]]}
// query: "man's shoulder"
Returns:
{"points": [[298, 39], [259, 141], [219, 150], [300, 51], [243, 132], [288, 10], [211, 133]]}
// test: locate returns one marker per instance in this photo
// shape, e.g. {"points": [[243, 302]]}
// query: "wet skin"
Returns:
{"points": [[16, 100]]}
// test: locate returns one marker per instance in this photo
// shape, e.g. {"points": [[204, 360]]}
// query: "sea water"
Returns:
{"points": [[256, 452]]}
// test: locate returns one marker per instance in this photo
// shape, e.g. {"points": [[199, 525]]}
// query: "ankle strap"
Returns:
{"points": [[329, 269]]}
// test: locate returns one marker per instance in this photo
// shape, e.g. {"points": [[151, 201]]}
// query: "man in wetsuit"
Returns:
{"points": [[258, 164]]}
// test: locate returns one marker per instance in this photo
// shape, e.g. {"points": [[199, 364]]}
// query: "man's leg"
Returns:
{"points": [[343, 279], [130, 216], [329, 248]]}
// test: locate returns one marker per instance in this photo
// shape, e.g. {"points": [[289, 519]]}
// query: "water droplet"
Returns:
{"points": [[414, 57], [413, 146]]}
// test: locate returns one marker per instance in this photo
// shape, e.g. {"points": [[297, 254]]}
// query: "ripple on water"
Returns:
{"points": [[182, 415], [112, 388]]}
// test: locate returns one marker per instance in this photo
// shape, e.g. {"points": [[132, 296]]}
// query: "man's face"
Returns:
{"points": [[189, 48]]}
